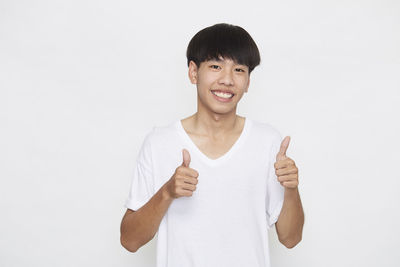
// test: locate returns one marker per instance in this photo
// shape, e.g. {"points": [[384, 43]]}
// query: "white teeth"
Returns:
{"points": [[223, 95]]}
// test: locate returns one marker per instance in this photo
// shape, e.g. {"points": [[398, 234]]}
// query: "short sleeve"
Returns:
{"points": [[142, 183], [275, 191]]}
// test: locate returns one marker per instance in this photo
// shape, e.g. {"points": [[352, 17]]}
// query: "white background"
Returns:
{"points": [[82, 82]]}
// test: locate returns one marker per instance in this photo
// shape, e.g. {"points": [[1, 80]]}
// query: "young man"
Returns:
{"points": [[212, 184]]}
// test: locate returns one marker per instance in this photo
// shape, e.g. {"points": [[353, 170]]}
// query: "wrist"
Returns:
{"points": [[291, 191], [165, 193]]}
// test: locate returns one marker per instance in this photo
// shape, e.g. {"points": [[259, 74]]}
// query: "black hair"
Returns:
{"points": [[225, 40]]}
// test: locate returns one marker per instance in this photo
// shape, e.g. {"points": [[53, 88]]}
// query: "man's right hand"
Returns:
{"points": [[140, 226], [184, 180]]}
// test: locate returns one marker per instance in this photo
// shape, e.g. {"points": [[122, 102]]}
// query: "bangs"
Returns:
{"points": [[226, 41]]}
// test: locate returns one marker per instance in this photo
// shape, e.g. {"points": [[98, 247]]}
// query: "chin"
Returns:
{"points": [[223, 110]]}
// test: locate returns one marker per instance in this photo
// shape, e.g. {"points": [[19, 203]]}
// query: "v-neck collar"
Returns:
{"points": [[221, 159]]}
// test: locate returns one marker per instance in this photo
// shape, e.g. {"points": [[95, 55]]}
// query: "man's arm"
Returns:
{"points": [[139, 227], [289, 226]]}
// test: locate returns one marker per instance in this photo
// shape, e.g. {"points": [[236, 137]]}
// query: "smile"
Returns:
{"points": [[222, 95]]}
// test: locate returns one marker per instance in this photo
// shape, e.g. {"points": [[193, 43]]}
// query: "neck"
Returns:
{"points": [[215, 124]]}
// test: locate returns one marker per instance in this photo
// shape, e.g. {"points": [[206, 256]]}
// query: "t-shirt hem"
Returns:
{"points": [[133, 205], [275, 214]]}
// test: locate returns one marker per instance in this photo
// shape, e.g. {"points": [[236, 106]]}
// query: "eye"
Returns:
{"points": [[214, 66], [240, 70]]}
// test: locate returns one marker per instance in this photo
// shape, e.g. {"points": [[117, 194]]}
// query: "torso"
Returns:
{"points": [[211, 147]]}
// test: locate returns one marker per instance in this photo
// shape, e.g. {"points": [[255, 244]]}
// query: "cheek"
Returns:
{"points": [[244, 82], [204, 83], [239, 96], [203, 91]]}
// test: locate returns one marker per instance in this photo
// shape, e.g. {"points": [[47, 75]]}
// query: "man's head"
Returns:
{"points": [[223, 40], [220, 59]]}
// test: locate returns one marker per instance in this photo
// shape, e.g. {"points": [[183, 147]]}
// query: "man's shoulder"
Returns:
{"points": [[265, 129], [161, 133]]}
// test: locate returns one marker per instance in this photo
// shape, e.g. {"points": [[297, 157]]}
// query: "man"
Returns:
{"points": [[213, 183]]}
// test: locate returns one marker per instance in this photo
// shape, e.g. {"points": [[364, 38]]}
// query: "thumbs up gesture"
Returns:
{"points": [[285, 168], [183, 181]]}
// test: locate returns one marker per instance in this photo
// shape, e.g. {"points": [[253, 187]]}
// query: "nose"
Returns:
{"points": [[226, 77]]}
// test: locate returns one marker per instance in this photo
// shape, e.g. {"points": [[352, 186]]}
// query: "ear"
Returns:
{"points": [[192, 72], [248, 84]]}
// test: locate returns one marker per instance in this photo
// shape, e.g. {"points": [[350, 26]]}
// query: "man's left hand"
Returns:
{"points": [[285, 168]]}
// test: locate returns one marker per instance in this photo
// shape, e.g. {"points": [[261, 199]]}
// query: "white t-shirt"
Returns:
{"points": [[237, 199]]}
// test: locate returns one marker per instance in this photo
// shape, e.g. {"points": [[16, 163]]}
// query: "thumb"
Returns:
{"points": [[186, 158], [282, 151]]}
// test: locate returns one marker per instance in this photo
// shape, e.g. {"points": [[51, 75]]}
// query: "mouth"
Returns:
{"points": [[223, 94]]}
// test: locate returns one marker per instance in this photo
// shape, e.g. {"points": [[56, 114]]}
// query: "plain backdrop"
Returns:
{"points": [[82, 82]]}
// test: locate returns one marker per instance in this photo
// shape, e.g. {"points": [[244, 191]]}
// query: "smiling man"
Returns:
{"points": [[212, 184]]}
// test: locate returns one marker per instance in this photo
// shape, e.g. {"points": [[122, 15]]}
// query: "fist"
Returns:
{"points": [[183, 182], [285, 168]]}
